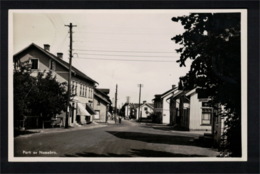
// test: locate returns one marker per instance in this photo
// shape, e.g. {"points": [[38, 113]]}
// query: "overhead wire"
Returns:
{"points": [[122, 51], [130, 60], [128, 55]]}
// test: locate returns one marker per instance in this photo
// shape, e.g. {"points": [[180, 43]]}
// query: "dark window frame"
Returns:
{"points": [[33, 63], [207, 110]]}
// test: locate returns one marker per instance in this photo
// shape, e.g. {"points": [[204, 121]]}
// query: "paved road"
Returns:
{"points": [[129, 139]]}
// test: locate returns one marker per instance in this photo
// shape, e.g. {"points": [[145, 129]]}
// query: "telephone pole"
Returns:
{"points": [[116, 101], [140, 86], [69, 76]]}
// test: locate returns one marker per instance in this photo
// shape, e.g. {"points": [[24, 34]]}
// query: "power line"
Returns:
{"points": [[126, 55], [123, 51], [132, 60], [63, 42]]}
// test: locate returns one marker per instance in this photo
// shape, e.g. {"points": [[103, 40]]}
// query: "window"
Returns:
{"points": [[206, 116], [52, 65], [97, 115], [34, 63], [76, 88], [80, 90], [72, 87]]}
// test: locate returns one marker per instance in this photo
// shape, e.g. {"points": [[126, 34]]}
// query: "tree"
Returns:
{"points": [[23, 85], [41, 96], [212, 41], [49, 96]]}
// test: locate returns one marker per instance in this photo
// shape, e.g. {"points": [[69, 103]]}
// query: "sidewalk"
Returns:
{"points": [[169, 128], [31, 132]]}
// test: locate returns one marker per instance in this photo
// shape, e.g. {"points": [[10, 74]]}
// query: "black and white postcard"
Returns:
{"points": [[127, 85]]}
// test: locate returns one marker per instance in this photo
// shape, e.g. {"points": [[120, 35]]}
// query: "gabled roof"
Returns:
{"points": [[134, 105], [151, 105], [99, 94], [175, 94], [104, 90], [168, 92], [191, 92], [179, 93], [160, 96], [55, 58], [142, 104]]}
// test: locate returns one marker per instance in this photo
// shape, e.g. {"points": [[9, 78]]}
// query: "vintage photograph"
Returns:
{"points": [[127, 85]]}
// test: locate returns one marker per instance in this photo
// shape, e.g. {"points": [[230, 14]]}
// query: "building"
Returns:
{"points": [[128, 110], [82, 86], [144, 111], [179, 110], [201, 113], [102, 104], [162, 106], [190, 112]]}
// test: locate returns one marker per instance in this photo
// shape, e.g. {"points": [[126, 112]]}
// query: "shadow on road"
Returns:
{"points": [[155, 153], [87, 154], [161, 139], [135, 153]]}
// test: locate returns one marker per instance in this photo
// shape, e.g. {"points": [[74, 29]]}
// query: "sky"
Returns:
{"points": [[123, 47]]}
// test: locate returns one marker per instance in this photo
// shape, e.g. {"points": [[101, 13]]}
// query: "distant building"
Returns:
{"points": [[146, 110], [128, 111], [102, 103], [82, 86], [131, 110]]}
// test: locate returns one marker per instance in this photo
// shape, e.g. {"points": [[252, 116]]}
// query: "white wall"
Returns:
{"points": [[166, 111], [143, 111], [195, 114], [144, 115]]}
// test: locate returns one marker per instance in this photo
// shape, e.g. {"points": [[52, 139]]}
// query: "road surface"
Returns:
{"points": [[128, 139]]}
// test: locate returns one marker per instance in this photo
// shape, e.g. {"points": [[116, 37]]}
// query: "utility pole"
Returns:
{"points": [[140, 86], [69, 76], [116, 101]]}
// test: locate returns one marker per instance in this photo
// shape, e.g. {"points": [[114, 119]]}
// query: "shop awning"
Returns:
{"points": [[90, 109], [81, 110]]}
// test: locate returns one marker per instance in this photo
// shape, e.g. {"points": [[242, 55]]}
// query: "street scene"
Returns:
{"points": [[127, 83], [125, 139]]}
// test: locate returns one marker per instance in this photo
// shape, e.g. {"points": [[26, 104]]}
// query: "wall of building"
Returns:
{"points": [[102, 108], [196, 114], [166, 111], [143, 112], [61, 74], [43, 64], [87, 90]]}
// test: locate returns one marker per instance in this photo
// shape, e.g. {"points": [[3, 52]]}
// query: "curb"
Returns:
{"points": [[59, 130]]}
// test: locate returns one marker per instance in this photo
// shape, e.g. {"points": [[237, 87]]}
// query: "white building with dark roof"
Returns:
{"points": [[82, 86]]}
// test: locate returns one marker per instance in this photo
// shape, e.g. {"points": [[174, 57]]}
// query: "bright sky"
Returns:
{"points": [[124, 47]]}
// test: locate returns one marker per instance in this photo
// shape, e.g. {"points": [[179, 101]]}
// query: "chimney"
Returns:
{"points": [[60, 55], [46, 47], [173, 86], [144, 101]]}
